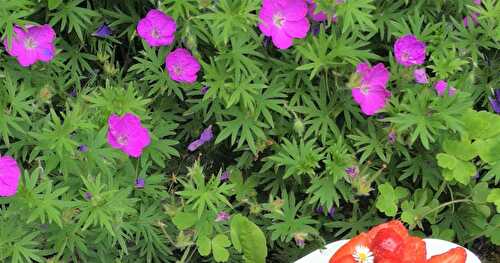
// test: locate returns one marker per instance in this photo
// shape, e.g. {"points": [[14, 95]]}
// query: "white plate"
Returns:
{"points": [[434, 247]]}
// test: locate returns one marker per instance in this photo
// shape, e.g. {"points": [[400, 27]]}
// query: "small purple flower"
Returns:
{"points": [[409, 51], [473, 17], [204, 90], [392, 136], [319, 210], [103, 31], [420, 76], [495, 101], [331, 212], [441, 87], [222, 217], [205, 137], [87, 196], [352, 171], [224, 176], [83, 148], [73, 93], [139, 183]]}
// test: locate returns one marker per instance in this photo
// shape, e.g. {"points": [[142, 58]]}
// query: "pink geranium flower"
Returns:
{"points": [[473, 17], [441, 87], [127, 134], [409, 51], [157, 28], [35, 43], [9, 176], [284, 20], [182, 66], [420, 76], [371, 93], [320, 16]]}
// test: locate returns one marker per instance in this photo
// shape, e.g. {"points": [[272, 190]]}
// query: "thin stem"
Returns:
{"points": [[446, 204], [481, 234]]}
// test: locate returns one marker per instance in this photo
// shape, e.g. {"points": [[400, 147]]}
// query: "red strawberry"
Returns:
{"points": [[395, 225], [386, 260], [345, 259], [386, 244], [455, 255], [413, 251], [349, 248]]}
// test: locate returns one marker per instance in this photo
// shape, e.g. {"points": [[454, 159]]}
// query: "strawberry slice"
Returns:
{"points": [[386, 260], [395, 225], [387, 243], [413, 250], [455, 255], [349, 248], [346, 259]]}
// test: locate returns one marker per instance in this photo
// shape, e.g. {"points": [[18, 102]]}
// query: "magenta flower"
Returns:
{"points": [[9, 176], [35, 43], [409, 51], [127, 134], [352, 171], [371, 93], [206, 136], [225, 176], [316, 16], [477, 2], [420, 76], [139, 183], [157, 28], [284, 20], [182, 66], [441, 87]]}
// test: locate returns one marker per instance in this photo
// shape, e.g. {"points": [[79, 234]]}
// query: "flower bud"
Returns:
{"points": [[298, 126]]}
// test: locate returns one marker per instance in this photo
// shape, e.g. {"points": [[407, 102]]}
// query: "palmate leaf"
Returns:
{"points": [[12, 13], [297, 158], [245, 126], [72, 16], [356, 15], [287, 222], [231, 16], [333, 50], [271, 100], [371, 143], [326, 192]]}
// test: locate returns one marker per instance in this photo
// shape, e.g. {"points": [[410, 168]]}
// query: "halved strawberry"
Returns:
{"points": [[395, 225], [413, 251], [345, 259], [454, 255], [349, 248], [386, 260], [386, 244]]}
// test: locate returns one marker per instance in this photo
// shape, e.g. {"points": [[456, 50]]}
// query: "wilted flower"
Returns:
{"points": [[224, 176], [35, 43], [352, 171], [102, 31], [157, 28], [420, 76], [300, 239], [83, 148], [222, 217], [370, 91], [87, 196], [205, 137], [392, 136], [283, 21], [441, 87], [139, 183], [9, 176], [472, 18], [331, 211], [127, 134], [409, 51], [495, 101], [204, 90], [319, 210], [182, 66], [73, 93]]}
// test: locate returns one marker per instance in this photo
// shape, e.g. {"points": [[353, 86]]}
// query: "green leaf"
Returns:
{"points": [[184, 220], [387, 201], [494, 197], [481, 124], [53, 4], [219, 244], [446, 160], [464, 150], [249, 238], [204, 245], [480, 192]]}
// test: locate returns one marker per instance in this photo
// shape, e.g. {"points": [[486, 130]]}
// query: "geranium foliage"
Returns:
{"points": [[244, 130]]}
